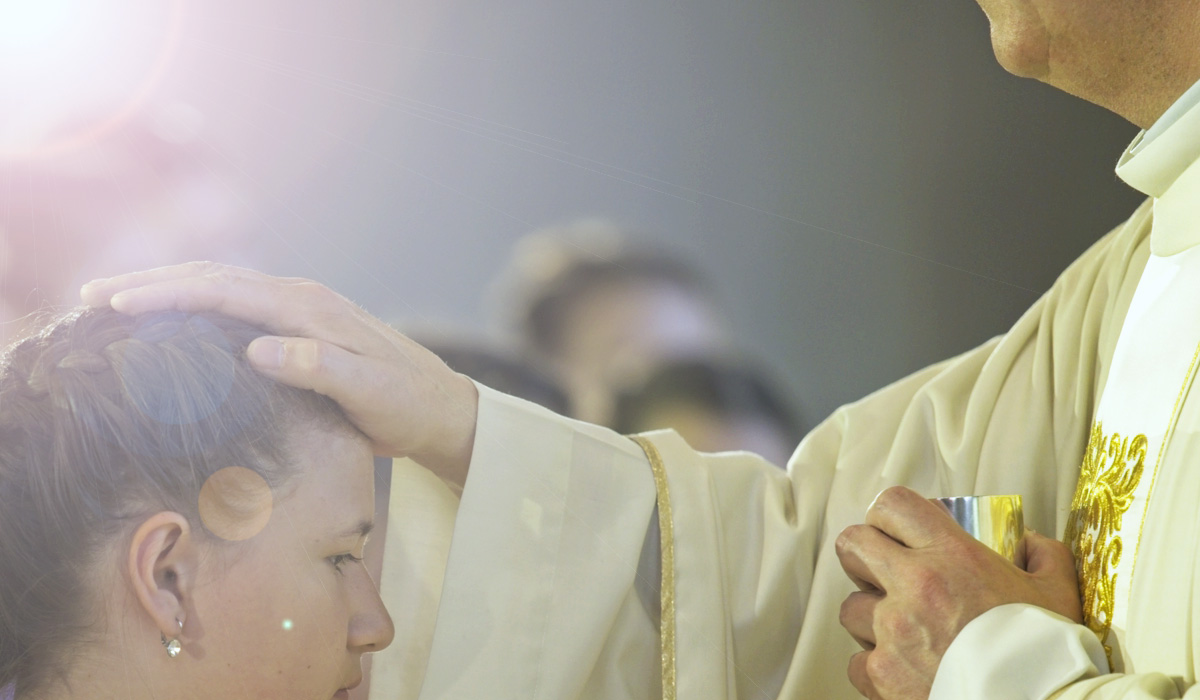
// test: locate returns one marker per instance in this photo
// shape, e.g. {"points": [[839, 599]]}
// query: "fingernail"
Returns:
{"points": [[266, 353], [86, 290], [118, 300]]}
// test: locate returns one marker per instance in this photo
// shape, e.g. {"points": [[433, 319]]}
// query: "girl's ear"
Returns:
{"points": [[163, 562]]}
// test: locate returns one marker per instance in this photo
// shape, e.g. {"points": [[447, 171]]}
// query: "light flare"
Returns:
{"points": [[73, 70], [28, 25]]}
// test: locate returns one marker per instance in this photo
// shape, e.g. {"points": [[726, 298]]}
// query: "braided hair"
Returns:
{"points": [[105, 419]]}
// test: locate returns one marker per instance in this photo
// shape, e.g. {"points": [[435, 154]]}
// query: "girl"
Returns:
{"points": [[174, 524]]}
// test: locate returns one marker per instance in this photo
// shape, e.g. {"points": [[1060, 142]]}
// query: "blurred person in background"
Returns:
{"points": [[716, 405], [498, 367], [598, 309], [144, 194]]}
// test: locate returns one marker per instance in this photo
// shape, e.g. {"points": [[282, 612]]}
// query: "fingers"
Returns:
{"points": [[359, 384], [98, 292], [858, 617], [404, 398], [867, 556], [1044, 555], [911, 519], [305, 363], [287, 307], [373, 392], [859, 677]]}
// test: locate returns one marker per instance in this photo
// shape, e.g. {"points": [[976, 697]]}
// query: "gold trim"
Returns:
{"points": [[1108, 480], [1183, 390], [667, 591]]}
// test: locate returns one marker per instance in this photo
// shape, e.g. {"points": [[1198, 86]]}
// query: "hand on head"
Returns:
{"points": [[922, 578], [405, 399]]}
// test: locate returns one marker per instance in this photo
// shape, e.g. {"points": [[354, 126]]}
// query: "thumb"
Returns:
{"points": [[1052, 567], [357, 383], [418, 408], [307, 364], [1045, 556]]}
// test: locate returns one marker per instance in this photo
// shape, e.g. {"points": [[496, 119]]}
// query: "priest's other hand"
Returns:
{"points": [[400, 395], [922, 578]]}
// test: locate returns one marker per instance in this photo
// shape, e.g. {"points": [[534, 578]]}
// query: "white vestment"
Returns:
{"points": [[552, 588]]}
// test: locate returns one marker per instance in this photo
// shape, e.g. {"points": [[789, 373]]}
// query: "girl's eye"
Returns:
{"points": [[339, 559]]}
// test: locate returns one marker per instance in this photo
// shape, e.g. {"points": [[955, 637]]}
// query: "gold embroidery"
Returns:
{"points": [[666, 529], [1112, 467]]}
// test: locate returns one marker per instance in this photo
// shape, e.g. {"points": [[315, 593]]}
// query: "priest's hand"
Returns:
{"points": [[400, 395], [922, 578]]}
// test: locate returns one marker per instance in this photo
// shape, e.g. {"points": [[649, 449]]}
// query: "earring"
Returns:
{"points": [[173, 646]]}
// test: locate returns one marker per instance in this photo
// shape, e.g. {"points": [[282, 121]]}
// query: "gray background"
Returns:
{"points": [[870, 190]]}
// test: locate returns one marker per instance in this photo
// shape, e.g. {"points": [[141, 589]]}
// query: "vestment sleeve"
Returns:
{"points": [[545, 593], [1021, 651], [551, 585]]}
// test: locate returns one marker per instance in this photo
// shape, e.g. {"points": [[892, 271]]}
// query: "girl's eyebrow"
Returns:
{"points": [[362, 529]]}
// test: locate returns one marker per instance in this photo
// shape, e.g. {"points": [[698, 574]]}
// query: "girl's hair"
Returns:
{"points": [[105, 419]]}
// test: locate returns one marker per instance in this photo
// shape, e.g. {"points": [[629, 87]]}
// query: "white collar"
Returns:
{"points": [[1159, 163]]}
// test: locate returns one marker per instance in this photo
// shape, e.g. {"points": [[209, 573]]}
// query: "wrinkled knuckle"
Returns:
{"points": [[222, 275], [889, 498], [894, 624], [1060, 549], [879, 668], [317, 294], [845, 540], [927, 586], [965, 549], [308, 287], [846, 612]]}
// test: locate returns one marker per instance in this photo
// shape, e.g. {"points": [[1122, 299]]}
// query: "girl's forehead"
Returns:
{"points": [[334, 483]]}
